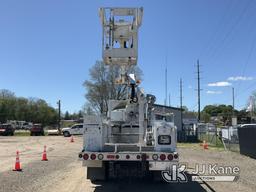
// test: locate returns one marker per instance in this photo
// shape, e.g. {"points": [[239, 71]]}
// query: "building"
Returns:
{"points": [[161, 109]]}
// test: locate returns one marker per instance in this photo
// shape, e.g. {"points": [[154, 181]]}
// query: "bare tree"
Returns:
{"points": [[101, 87]]}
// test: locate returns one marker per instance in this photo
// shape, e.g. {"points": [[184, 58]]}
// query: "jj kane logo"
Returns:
{"points": [[204, 172]]}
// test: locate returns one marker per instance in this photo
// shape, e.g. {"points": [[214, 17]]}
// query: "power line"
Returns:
{"points": [[209, 45], [230, 31], [248, 58]]}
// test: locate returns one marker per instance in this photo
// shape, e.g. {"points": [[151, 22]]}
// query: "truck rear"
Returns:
{"points": [[117, 155], [132, 139]]}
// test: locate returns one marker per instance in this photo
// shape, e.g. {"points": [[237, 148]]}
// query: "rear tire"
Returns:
{"points": [[157, 176], [66, 134]]}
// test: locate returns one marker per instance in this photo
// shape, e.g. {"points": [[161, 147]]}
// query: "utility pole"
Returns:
{"points": [[233, 118], [233, 100], [198, 91], [169, 100], [59, 114], [181, 110], [165, 101]]}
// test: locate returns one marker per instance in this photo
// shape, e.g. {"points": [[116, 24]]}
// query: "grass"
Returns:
{"points": [[212, 140], [22, 133], [216, 145], [198, 146], [188, 145], [25, 133]]}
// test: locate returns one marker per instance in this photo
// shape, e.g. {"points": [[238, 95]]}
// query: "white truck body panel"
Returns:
{"points": [[93, 133]]}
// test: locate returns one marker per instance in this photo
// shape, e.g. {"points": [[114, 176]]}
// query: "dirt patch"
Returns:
{"points": [[63, 172]]}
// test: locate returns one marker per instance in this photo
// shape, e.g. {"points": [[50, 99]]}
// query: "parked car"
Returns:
{"points": [[76, 129], [27, 126], [53, 131], [37, 129], [6, 129]]}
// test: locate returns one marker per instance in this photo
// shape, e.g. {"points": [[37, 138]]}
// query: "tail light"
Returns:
{"points": [[138, 156], [176, 156], [86, 156], [93, 156], [100, 156], [170, 157], [111, 156], [155, 157], [162, 157], [127, 156], [80, 155], [117, 156]]}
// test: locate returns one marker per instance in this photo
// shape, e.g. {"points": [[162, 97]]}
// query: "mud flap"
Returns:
{"points": [[96, 173]]}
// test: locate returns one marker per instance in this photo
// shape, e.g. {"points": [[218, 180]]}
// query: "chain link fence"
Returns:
{"points": [[230, 138], [209, 133]]}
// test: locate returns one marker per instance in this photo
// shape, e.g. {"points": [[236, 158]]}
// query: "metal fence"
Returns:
{"points": [[230, 139], [209, 133]]}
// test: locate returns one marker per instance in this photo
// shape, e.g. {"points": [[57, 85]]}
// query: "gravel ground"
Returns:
{"points": [[63, 172]]}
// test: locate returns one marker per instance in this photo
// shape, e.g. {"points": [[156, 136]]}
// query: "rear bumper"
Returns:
{"points": [[155, 163]]}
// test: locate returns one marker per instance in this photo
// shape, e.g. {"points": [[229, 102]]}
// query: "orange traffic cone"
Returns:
{"points": [[44, 157], [205, 145], [17, 163], [72, 139]]}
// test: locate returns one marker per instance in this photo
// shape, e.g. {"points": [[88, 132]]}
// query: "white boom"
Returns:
{"points": [[132, 135]]}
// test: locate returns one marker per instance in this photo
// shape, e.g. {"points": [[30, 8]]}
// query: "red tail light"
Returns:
{"points": [[170, 157], [86, 156], [93, 156], [111, 156], [176, 156], [162, 157]]}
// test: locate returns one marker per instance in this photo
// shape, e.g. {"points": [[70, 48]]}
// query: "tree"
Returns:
{"points": [[23, 109], [224, 112], [218, 110], [67, 116], [88, 109], [101, 87], [251, 103], [185, 108], [4, 93], [205, 117]]}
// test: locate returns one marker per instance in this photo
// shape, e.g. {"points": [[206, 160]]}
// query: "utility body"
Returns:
{"points": [[132, 139]]}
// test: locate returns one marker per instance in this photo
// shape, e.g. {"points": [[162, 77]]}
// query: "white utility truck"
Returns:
{"points": [[133, 139], [76, 129]]}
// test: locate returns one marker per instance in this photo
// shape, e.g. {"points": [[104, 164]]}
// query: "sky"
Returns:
{"points": [[47, 48]]}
